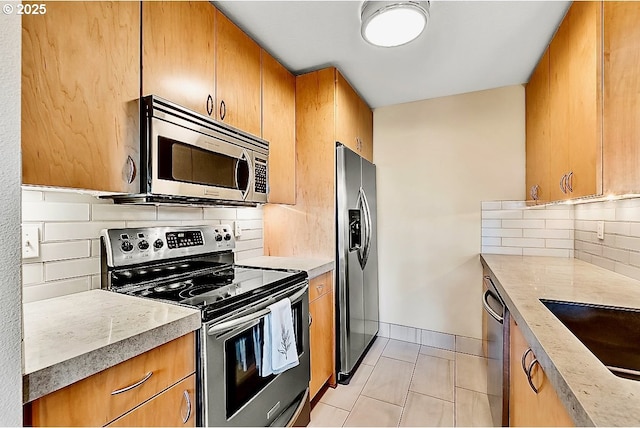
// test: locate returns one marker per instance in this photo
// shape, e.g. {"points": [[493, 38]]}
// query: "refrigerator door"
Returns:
{"points": [[349, 297], [370, 274]]}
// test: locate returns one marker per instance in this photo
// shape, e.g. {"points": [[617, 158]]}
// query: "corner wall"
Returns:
{"points": [[437, 160], [10, 177]]}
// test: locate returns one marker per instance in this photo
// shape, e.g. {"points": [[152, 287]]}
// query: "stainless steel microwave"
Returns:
{"points": [[188, 158]]}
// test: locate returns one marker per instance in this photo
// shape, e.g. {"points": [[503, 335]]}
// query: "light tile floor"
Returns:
{"points": [[405, 384]]}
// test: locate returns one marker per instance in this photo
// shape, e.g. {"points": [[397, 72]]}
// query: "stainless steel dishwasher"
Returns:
{"points": [[497, 350]]}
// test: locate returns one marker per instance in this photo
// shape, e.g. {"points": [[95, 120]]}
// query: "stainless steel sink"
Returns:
{"points": [[611, 333]]}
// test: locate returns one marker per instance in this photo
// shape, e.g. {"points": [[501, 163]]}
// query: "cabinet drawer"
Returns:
{"points": [[99, 399], [175, 407], [320, 285]]}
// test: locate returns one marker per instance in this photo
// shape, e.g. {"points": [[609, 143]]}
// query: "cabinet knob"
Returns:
{"points": [[223, 110], [132, 170], [209, 104]]}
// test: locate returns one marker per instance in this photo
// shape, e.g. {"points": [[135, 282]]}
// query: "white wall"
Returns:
{"points": [[437, 160], [10, 177]]}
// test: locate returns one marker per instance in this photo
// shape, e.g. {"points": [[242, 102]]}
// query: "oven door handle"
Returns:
{"points": [[251, 317]]}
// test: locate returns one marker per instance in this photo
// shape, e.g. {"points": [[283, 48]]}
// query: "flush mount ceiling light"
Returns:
{"points": [[393, 23]]}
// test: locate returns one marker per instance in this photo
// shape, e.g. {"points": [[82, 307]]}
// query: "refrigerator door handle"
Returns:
{"points": [[361, 206], [367, 229]]}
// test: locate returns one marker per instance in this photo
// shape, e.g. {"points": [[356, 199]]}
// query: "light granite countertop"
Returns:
{"points": [[69, 338], [313, 267], [592, 395]]}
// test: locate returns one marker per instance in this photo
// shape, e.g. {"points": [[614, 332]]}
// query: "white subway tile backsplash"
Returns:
{"points": [[52, 289], [491, 223], [249, 213], [243, 255], [559, 224], [627, 270], [220, 213], [515, 251], [70, 231], [32, 196], [559, 243], [508, 214], [96, 282], [488, 241], [251, 244], [557, 214], [32, 273], [634, 258], [491, 205], [586, 236], [588, 247], [502, 233], [602, 262], [73, 196], [95, 248], [634, 229], [627, 242], [627, 214], [179, 213], [72, 268], [54, 211], [523, 224], [548, 233], [156, 223], [581, 255], [523, 242], [617, 228], [513, 205], [52, 251], [586, 225], [250, 234], [616, 254], [250, 224], [122, 212], [548, 252], [596, 214]]}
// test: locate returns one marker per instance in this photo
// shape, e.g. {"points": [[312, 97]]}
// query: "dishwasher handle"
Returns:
{"points": [[487, 308]]}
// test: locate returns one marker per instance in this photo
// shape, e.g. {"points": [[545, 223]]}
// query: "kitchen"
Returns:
{"points": [[419, 308]]}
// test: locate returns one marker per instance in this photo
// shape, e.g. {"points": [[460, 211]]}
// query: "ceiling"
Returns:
{"points": [[468, 45]]}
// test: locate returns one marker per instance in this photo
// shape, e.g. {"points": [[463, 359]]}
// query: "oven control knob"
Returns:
{"points": [[126, 246], [218, 238], [143, 245], [227, 237], [158, 244]]}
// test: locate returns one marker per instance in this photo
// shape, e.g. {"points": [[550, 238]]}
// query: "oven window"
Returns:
{"points": [[242, 376], [182, 162]]}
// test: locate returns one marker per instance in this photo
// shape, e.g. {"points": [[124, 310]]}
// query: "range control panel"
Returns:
{"points": [[124, 247]]}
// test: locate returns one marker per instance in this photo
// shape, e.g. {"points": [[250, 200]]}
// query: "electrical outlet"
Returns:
{"points": [[30, 242], [600, 229], [237, 230]]}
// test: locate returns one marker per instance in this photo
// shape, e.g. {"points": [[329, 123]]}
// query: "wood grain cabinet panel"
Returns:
{"points": [[174, 407], [278, 128], [526, 407], [621, 98], [178, 65], [322, 332], [347, 114], [365, 127], [238, 90], [80, 89], [91, 402]]}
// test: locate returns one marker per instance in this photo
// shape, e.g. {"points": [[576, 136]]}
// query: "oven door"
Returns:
{"points": [[234, 393], [187, 163]]}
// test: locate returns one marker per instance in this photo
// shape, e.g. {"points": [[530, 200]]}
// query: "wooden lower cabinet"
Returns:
{"points": [[92, 401], [172, 408], [322, 336], [526, 407]]}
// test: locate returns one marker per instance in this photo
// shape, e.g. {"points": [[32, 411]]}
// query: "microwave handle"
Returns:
{"points": [[247, 158], [251, 317]]}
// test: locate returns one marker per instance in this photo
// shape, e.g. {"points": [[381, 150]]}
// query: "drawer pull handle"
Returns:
{"points": [[533, 363], [135, 385], [188, 401], [524, 360]]}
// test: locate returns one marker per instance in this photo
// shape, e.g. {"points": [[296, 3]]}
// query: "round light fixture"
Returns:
{"points": [[393, 23]]}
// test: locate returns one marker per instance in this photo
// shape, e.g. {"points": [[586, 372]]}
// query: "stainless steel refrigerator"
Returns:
{"points": [[356, 259]]}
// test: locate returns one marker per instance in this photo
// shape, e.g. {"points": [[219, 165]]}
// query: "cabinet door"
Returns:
{"points": [[537, 130], [559, 54], [365, 133], [347, 114], [585, 112], [621, 148], [175, 407], [177, 64], [321, 337], [80, 89], [278, 128], [237, 77], [527, 408]]}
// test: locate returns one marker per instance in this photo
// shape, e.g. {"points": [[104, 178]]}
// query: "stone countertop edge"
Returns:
{"points": [[314, 267], [65, 373], [592, 395]]}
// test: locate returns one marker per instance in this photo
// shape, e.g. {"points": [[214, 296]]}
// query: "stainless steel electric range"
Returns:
{"points": [[193, 266]]}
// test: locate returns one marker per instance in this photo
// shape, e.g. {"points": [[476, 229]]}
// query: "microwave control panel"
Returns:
{"points": [[261, 175]]}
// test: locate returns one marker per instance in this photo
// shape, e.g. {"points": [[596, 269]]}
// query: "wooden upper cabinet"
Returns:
{"points": [[278, 128], [537, 133], [354, 119], [238, 91], [80, 89], [621, 150], [178, 59]]}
